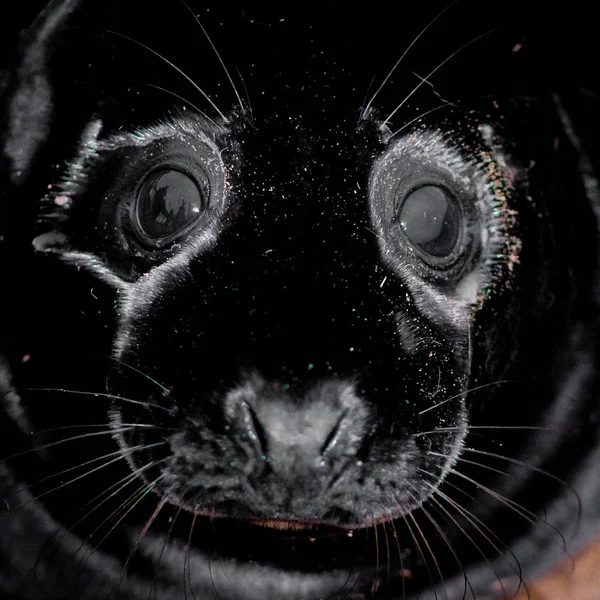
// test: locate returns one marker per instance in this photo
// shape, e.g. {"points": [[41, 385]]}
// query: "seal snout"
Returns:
{"points": [[298, 430], [297, 442]]}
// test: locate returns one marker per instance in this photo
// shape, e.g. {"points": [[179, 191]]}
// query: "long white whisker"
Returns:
{"points": [[83, 464], [525, 513], [418, 118], [185, 101], [187, 576], [110, 492], [78, 478], [145, 404], [173, 66], [131, 367], [434, 71], [528, 515], [160, 505], [71, 439], [444, 537], [435, 561], [124, 509], [417, 38], [493, 427], [524, 465], [453, 520], [478, 525], [464, 393], [216, 53], [166, 540]]}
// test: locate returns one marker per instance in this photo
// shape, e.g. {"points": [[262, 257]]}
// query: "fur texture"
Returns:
{"points": [[266, 337]]}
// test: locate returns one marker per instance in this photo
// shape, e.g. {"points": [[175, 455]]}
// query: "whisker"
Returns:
{"points": [[434, 91], [120, 485], [464, 511], [127, 365], [377, 561], [160, 505], [210, 569], [450, 518], [98, 425], [469, 341], [464, 393], [145, 404], [81, 465], [62, 485], [520, 463], [110, 492], [418, 118], [521, 510], [472, 462], [479, 526], [187, 577], [428, 546], [125, 508], [500, 427], [74, 438], [443, 535], [492, 469], [247, 96], [403, 572], [153, 587], [420, 551], [78, 426], [434, 71], [184, 100], [363, 109], [242, 107], [172, 65], [415, 40], [388, 557]]}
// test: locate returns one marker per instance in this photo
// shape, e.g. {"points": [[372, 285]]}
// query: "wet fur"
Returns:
{"points": [[343, 420]]}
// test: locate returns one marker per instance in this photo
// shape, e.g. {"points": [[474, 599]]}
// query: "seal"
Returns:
{"points": [[268, 337]]}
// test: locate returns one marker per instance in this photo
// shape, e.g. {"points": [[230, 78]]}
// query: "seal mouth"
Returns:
{"points": [[167, 540], [282, 525], [287, 545], [299, 564], [335, 560]]}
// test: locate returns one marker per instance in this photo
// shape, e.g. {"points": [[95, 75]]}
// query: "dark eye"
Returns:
{"points": [[168, 203], [432, 221]]}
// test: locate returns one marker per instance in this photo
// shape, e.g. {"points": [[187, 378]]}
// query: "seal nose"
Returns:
{"points": [[294, 432]]}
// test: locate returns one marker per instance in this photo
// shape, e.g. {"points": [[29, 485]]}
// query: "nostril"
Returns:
{"points": [[292, 432], [347, 437], [253, 427], [242, 425], [333, 438]]}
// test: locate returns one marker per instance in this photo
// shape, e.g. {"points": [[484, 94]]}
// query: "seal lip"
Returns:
{"points": [[282, 525]]}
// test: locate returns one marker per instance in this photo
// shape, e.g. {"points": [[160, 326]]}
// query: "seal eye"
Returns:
{"points": [[431, 219], [168, 203]]}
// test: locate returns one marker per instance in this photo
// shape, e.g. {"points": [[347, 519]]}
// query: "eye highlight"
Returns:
{"points": [[168, 203], [431, 219]]}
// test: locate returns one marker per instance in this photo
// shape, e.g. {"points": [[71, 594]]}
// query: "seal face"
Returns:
{"points": [[309, 345]]}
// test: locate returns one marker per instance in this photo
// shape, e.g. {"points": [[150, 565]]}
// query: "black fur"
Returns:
{"points": [[290, 395]]}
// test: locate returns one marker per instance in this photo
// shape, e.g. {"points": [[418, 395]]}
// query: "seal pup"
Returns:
{"points": [[323, 347]]}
